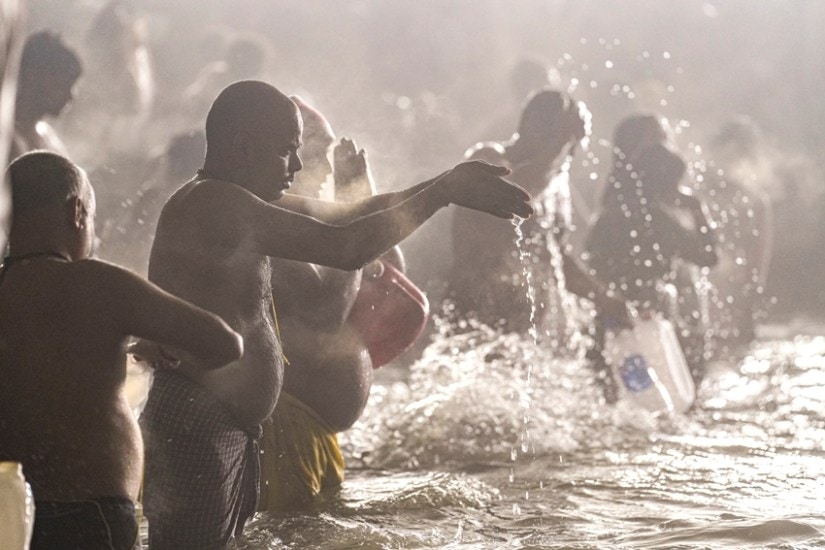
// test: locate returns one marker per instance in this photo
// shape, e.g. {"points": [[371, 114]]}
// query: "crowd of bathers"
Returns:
{"points": [[264, 284]]}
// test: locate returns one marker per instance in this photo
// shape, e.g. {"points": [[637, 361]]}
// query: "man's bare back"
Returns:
{"points": [[65, 321]]}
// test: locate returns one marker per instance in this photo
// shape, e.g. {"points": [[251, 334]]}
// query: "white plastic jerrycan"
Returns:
{"points": [[16, 508], [649, 365]]}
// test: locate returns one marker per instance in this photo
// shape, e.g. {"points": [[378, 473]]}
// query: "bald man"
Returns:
{"points": [[212, 246], [65, 320]]}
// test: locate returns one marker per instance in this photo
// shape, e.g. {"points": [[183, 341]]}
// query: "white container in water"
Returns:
{"points": [[16, 508], [649, 366]]}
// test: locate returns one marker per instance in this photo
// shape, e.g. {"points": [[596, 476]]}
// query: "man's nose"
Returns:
{"points": [[296, 164]]}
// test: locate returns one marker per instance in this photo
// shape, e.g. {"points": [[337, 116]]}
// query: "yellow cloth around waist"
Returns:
{"points": [[300, 457]]}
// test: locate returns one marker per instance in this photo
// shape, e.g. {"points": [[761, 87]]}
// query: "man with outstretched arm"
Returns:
{"points": [[212, 246]]}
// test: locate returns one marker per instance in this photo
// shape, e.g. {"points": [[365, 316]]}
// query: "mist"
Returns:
{"points": [[418, 83]]}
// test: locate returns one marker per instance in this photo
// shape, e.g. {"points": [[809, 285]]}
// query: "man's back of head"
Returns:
{"points": [[42, 178]]}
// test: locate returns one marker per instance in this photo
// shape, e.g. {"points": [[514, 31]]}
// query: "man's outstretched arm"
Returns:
{"points": [[241, 219]]}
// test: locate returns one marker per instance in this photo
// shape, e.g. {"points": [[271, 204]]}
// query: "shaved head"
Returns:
{"points": [[43, 178], [249, 105]]}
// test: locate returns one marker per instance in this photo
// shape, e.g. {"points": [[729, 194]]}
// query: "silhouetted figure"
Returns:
{"points": [[646, 223], [487, 277], [49, 70]]}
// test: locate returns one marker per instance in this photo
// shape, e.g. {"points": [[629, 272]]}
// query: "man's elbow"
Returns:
{"points": [[231, 349]]}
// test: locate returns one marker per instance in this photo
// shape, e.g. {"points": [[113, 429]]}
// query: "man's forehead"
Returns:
{"points": [[281, 119]]}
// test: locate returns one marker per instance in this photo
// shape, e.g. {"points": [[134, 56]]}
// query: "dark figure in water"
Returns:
{"points": [[487, 277], [647, 222], [49, 70]]}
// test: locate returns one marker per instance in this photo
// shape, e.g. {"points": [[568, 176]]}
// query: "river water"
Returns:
{"points": [[465, 452]]}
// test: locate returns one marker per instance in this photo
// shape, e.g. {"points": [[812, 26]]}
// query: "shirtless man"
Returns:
{"points": [[49, 70], [65, 320], [328, 380], [213, 243], [487, 273]]}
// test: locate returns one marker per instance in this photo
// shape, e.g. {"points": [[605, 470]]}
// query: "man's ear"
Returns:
{"points": [[77, 210]]}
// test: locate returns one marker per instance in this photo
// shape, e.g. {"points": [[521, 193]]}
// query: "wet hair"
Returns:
{"points": [[548, 112], [45, 52], [43, 178], [244, 105]]}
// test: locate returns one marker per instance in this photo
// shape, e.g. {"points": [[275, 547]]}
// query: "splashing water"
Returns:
{"points": [[427, 463]]}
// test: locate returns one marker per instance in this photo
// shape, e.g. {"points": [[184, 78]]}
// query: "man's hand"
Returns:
{"points": [[479, 185], [350, 166]]}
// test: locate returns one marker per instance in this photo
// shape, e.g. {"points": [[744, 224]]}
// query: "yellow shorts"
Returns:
{"points": [[300, 457]]}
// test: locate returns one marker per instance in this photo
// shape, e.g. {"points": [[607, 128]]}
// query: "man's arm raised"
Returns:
{"points": [[239, 219]]}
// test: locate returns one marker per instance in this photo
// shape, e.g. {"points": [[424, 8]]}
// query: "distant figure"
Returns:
{"points": [[744, 218], [11, 44], [646, 223], [65, 321], [49, 70], [213, 243], [488, 277]]}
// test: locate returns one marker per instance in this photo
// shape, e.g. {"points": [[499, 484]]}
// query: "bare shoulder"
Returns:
{"points": [[488, 151], [204, 195], [101, 276]]}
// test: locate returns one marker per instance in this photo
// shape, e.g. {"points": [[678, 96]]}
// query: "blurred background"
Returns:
{"points": [[417, 83]]}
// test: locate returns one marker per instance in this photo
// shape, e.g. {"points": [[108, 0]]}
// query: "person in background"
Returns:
{"points": [[49, 70], [488, 277], [65, 320], [646, 223], [213, 245]]}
